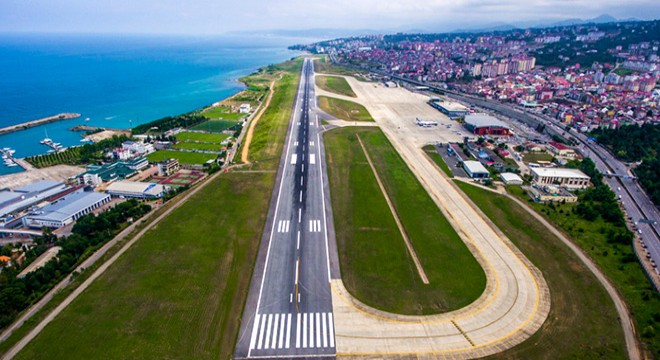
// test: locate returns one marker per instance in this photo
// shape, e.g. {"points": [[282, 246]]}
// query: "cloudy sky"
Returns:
{"points": [[220, 16]]}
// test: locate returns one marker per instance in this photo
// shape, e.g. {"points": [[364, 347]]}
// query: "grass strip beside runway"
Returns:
{"points": [[375, 265], [334, 84], [343, 109], [583, 322]]}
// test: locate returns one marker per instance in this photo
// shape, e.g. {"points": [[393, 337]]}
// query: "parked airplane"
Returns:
{"points": [[424, 123]]}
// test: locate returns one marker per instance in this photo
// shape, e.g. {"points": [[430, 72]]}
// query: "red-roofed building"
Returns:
{"points": [[561, 150]]}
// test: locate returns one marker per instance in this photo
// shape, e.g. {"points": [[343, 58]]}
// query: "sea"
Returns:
{"points": [[119, 81]]}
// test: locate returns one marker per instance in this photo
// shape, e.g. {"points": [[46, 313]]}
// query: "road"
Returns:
{"points": [[289, 308]]}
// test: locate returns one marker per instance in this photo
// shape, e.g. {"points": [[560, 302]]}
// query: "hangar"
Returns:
{"points": [[483, 124]]}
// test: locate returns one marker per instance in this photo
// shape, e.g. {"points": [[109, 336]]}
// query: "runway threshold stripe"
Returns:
{"points": [[287, 342], [261, 332], [311, 330], [325, 330], [331, 327], [255, 329], [298, 330], [280, 342], [304, 331], [267, 341], [275, 330], [318, 330]]}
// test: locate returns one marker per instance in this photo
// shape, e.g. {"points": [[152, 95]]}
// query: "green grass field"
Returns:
{"points": [[335, 85], [215, 126], [170, 296], [375, 265], [617, 261], [264, 151], [537, 156], [433, 154], [183, 157], [323, 66], [201, 146], [201, 137], [583, 323], [344, 110], [221, 112], [178, 293]]}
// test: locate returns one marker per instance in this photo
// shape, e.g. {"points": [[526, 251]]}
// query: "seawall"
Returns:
{"points": [[33, 123]]}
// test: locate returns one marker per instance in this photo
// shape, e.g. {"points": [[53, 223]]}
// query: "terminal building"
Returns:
{"points": [[66, 209], [452, 109], [135, 189], [571, 179], [483, 124]]}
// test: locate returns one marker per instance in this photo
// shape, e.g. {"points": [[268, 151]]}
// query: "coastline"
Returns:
{"points": [[35, 123]]}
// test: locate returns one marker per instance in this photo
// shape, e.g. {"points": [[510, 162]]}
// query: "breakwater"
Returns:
{"points": [[33, 123]]}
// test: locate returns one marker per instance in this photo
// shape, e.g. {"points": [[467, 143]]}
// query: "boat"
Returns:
{"points": [[86, 119], [46, 140]]}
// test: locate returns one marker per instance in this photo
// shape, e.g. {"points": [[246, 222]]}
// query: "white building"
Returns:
{"points": [[475, 170], [66, 209], [139, 148], [511, 179], [572, 179], [135, 189], [244, 108]]}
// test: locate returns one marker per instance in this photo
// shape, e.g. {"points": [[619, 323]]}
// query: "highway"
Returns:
{"points": [[289, 308]]}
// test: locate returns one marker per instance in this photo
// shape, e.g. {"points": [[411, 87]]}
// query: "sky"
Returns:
{"points": [[222, 16]]}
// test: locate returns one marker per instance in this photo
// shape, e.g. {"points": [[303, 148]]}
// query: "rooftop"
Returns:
{"points": [[39, 186], [558, 146], [475, 167], [451, 106], [135, 187], [559, 172], [510, 177], [484, 120], [68, 205]]}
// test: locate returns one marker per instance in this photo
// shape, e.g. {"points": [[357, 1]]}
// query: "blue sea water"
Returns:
{"points": [[114, 79]]}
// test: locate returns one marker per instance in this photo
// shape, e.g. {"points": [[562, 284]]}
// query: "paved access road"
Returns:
{"points": [[289, 308]]}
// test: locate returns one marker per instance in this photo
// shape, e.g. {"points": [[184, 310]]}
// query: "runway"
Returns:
{"points": [[289, 308]]}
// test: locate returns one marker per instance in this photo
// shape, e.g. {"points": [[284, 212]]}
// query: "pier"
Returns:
{"points": [[33, 123]]}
